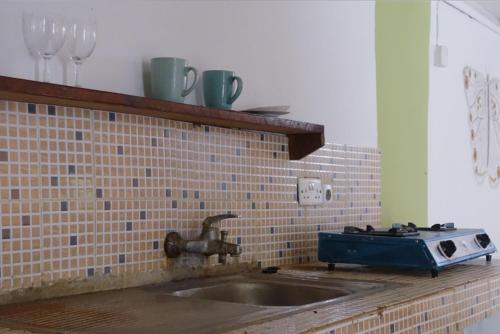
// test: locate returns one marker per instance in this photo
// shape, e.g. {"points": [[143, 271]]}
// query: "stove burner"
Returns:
{"points": [[439, 227], [354, 229], [397, 230], [400, 228]]}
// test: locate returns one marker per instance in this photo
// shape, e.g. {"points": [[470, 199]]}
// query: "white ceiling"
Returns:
{"points": [[491, 8]]}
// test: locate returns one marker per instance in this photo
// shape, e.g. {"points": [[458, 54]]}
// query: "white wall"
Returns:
{"points": [[455, 193], [317, 57]]}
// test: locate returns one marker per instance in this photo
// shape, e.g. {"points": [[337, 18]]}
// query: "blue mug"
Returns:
{"points": [[169, 77], [218, 88]]}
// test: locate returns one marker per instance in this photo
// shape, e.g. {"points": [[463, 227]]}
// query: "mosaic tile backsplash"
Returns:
{"points": [[89, 192]]}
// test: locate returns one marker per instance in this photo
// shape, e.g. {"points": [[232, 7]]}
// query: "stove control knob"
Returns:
{"points": [[447, 248], [482, 240]]}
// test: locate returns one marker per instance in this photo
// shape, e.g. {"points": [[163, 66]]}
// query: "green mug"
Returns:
{"points": [[218, 88], [169, 78]]}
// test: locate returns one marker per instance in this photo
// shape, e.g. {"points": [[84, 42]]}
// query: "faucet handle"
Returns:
{"points": [[214, 219]]}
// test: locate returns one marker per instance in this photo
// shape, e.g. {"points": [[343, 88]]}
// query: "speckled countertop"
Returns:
{"points": [[420, 299], [460, 296]]}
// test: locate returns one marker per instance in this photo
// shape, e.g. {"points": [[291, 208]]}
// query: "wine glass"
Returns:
{"points": [[52, 39], [81, 43], [33, 36]]}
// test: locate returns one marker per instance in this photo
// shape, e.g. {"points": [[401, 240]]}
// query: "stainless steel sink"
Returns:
{"points": [[276, 290], [264, 293], [199, 305]]}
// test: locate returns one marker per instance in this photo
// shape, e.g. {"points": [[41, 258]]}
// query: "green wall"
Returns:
{"points": [[402, 56]]}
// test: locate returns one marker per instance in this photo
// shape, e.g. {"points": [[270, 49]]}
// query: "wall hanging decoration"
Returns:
{"points": [[482, 94]]}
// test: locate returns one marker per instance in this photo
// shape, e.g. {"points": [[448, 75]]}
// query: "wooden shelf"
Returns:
{"points": [[303, 138]]}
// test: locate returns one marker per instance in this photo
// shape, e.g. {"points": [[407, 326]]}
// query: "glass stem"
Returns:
{"points": [[36, 68], [77, 73], [46, 70]]}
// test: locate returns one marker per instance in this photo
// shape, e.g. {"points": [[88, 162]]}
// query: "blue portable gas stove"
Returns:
{"points": [[408, 246]]}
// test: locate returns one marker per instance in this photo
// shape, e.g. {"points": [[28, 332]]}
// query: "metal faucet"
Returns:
{"points": [[207, 243]]}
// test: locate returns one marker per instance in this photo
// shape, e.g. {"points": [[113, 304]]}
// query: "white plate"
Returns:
{"points": [[272, 111], [269, 108]]}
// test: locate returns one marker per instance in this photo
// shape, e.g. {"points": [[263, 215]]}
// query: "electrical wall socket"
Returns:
{"points": [[310, 191], [327, 193]]}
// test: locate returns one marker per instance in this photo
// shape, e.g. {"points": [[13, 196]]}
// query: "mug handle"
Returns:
{"points": [[239, 87], [188, 69]]}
